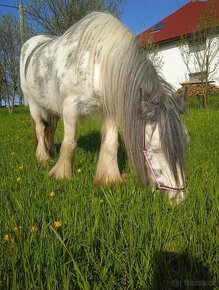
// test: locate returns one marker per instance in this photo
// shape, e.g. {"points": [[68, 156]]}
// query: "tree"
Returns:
{"points": [[152, 50], [56, 16], [9, 58], [2, 90], [200, 50]]}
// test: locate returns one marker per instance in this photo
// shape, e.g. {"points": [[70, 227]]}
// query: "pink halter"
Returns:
{"points": [[159, 185]]}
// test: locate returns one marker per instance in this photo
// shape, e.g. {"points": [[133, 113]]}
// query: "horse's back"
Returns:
{"points": [[29, 47], [27, 53], [73, 65]]}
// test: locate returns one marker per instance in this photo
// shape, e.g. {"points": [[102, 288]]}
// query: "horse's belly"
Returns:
{"points": [[45, 96], [89, 104]]}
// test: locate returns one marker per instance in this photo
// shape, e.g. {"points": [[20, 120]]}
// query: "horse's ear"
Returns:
{"points": [[181, 101]]}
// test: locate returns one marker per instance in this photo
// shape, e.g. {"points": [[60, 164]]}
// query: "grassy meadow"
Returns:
{"points": [[71, 235]]}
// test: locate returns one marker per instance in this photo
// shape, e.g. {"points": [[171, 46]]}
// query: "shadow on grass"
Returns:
{"points": [[180, 271], [92, 142]]}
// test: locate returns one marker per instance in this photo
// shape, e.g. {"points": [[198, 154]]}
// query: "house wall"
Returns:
{"points": [[215, 48], [174, 69]]}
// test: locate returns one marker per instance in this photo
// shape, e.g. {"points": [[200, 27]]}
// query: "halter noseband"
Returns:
{"points": [[159, 185]]}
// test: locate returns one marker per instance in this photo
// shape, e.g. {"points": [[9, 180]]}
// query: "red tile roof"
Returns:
{"points": [[182, 22]]}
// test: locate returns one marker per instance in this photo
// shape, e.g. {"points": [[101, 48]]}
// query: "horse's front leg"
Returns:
{"points": [[63, 167], [107, 167]]}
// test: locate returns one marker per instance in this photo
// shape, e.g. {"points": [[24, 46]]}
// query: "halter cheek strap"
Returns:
{"points": [[153, 174]]}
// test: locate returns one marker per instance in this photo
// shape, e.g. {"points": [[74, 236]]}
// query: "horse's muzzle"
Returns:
{"points": [[175, 198]]}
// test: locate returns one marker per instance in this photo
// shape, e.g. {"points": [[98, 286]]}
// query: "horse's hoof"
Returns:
{"points": [[43, 160], [59, 173], [125, 177], [106, 181], [52, 151]]}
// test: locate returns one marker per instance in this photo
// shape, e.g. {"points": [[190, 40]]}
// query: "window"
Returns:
{"points": [[197, 76], [157, 27]]}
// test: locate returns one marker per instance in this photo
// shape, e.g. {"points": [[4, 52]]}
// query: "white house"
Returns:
{"points": [[167, 33]]}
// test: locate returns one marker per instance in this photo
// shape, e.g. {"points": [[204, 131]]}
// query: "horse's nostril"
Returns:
{"points": [[171, 195], [175, 197]]}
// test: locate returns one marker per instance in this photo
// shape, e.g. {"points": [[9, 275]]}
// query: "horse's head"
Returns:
{"points": [[165, 138]]}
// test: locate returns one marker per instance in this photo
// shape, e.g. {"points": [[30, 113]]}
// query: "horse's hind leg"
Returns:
{"points": [[42, 153], [33, 125], [50, 127], [107, 167], [63, 167]]}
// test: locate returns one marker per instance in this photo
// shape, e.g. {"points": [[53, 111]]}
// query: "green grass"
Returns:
{"points": [[112, 238]]}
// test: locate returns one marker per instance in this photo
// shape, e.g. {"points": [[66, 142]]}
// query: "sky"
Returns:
{"points": [[138, 15], [142, 14]]}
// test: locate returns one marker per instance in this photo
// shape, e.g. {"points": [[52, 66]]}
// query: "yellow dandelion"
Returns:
{"points": [[52, 194], [33, 229], [18, 229], [79, 170], [8, 238], [18, 179], [57, 224]]}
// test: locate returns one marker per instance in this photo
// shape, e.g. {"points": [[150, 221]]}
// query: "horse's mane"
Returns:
{"points": [[132, 93]]}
